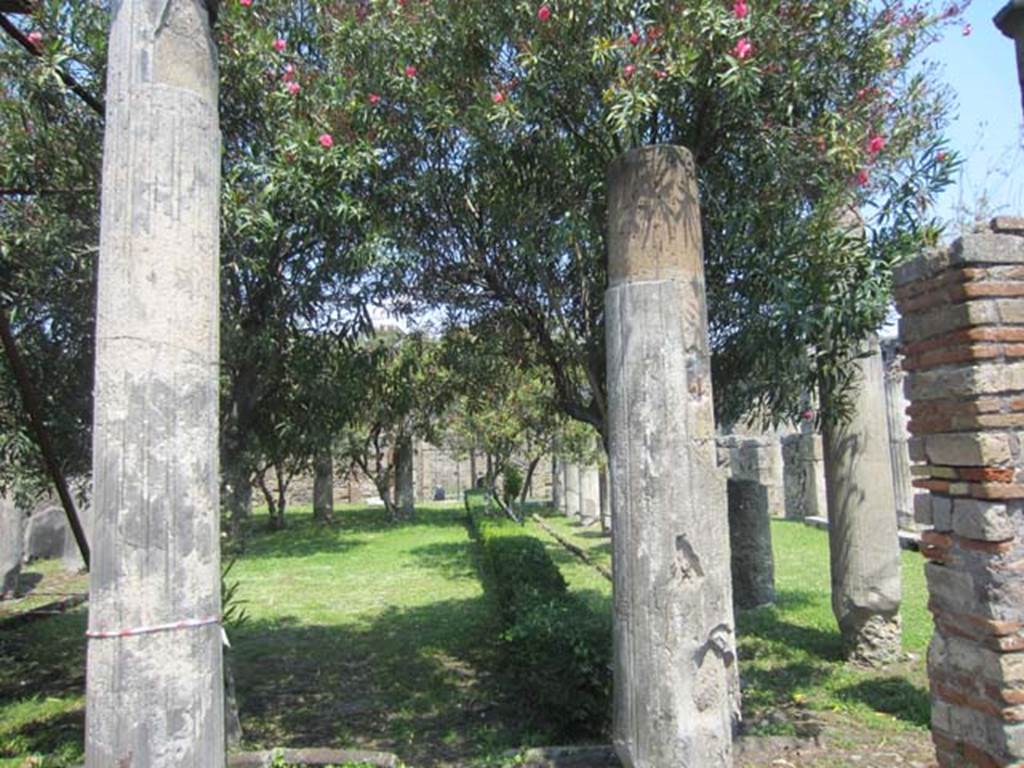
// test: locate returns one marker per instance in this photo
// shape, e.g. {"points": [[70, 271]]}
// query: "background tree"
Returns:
{"points": [[503, 118]]}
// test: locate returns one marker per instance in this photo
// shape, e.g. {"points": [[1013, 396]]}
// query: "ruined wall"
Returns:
{"points": [[963, 336]]}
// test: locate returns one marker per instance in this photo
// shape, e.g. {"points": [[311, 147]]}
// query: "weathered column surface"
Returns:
{"points": [[155, 686], [571, 486], [863, 538], [11, 534], [804, 472], [590, 494], [676, 687], [899, 453], [323, 486], [962, 329], [557, 494], [750, 541]]}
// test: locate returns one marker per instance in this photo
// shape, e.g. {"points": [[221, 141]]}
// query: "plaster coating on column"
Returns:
{"points": [[156, 698], [750, 541], [863, 538], [676, 687]]}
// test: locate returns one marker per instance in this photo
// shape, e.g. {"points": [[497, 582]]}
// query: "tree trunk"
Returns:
{"points": [[472, 468], [236, 483], [323, 487], [863, 537], [155, 680], [528, 483], [676, 694], [404, 478]]}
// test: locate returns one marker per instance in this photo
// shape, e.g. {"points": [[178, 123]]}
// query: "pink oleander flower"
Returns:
{"points": [[498, 97], [740, 9], [743, 49], [967, 30], [660, 74], [634, 38], [289, 73], [862, 177], [280, 44], [544, 13], [294, 88], [36, 38], [629, 70], [941, 156], [876, 144], [411, 71], [807, 415], [245, 3], [326, 140], [374, 99]]}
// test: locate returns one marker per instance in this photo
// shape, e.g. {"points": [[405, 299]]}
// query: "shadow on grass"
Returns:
{"points": [[420, 682], [58, 737], [766, 624], [894, 696], [27, 582], [454, 560]]}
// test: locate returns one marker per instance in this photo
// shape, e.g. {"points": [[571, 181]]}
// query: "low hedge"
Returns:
{"points": [[557, 650]]}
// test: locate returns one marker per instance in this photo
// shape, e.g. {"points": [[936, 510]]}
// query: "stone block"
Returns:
{"points": [[11, 521], [987, 248], [750, 540], [969, 449], [922, 268], [45, 531], [950, 589], [982, 520], [942, 512]]}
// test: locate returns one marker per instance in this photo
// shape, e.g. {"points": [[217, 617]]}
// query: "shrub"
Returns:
{"points": [[557, 650]]}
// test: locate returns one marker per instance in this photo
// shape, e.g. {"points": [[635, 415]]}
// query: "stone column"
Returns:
{"points": [[557, 494], [750, 541], [323, 487], [1010, 21], [590, 494], [155, 696], [676, 698], [606, 501], [572, 489], [863, 539], [405, 488], [11, 534], [962, 330], [899, 455]]}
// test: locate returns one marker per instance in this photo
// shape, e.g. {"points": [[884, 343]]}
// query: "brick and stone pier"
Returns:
{"points": [[963, 336]]}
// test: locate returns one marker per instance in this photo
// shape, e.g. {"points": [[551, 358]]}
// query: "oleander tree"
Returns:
{"points": [[50, 155], [499, 121]]}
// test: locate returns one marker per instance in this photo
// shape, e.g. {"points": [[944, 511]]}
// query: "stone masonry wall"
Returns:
{"points": [[962, 330]]}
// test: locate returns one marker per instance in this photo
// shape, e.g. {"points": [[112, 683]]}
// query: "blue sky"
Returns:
{"points": [[987, 127]]}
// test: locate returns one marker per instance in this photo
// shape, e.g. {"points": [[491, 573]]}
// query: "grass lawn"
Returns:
{"points": [[364, 634]]}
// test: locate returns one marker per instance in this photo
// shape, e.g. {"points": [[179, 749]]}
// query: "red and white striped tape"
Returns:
{"points": [[135, 631]]}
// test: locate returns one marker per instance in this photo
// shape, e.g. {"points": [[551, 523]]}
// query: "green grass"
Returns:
{"points": [[790, 653], [368, 635]]}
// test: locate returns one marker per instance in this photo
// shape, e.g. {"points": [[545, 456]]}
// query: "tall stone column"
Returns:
{"points": [[557, 494], [323, 487], [863, 539], [12, 521], [155, 684], [572, 489], [750, 540], [899, 454], [962, 330], [676, 694], [590, 494]]}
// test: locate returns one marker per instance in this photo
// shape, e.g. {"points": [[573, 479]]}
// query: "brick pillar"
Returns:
{"points": [[963, 334]]}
